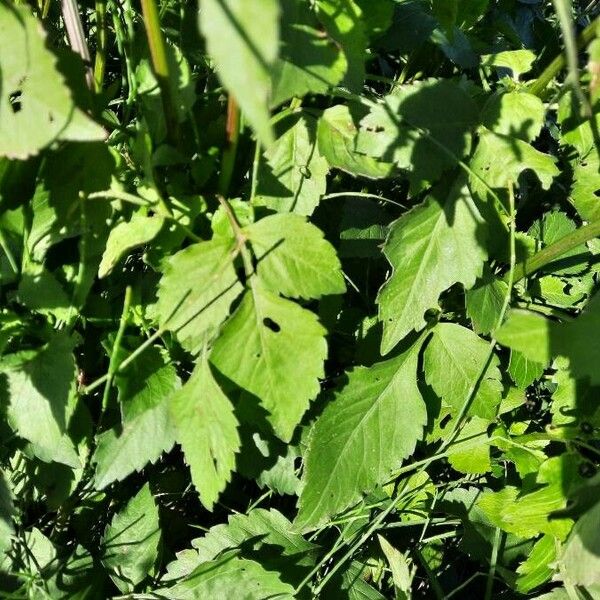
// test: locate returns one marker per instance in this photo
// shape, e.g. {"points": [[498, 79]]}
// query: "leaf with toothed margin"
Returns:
{"points": [[371, 426]]}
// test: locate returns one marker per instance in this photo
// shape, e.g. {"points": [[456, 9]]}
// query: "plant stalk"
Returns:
{"points": [[160, 65], [101, 44], [230, 152], [556, 250], [560, 61]]}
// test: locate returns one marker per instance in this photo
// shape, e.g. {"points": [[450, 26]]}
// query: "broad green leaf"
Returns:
{"points": [[36, 107], [514, 114], [373, 423], [537, 568], [265, 535], [40, 291], [336, 135], [527, 333], [294, 259], [292, 174], [38, 386], [206, 429], [484, 302], [231, 577], [500, 159], [518, 61], [402, 571], [454, 360], [435, 245], [242, 37], [586, 183], [577, 129], [522, 370], [410, 130], [470, 452], [125, 237], [145, 392], [540, 339], [309, 61], [580, 561], [349, 584], [344, 22], [196, 290], [273, 349], [130, 542]]}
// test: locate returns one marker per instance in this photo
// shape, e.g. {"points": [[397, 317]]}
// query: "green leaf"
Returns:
{"points": [[127, 236], [537, 569], [470, 452], [242, 37], [263, 535], [36, 107], [580, 560], [231, 577], [6, 516], [294, 259], [484, 302], [196, 290], [273, 349], [522, 370], [336, 134], [518, 61], [528, 333], [500, 159], [309, 61], [515, 114], [38, 387], [292, 174], [431, 247], [344, 22], [130, 542], [206, 428], [373, 423], [586, 183], [400, 565], [394, 130], [453, 361], [145, 392]]}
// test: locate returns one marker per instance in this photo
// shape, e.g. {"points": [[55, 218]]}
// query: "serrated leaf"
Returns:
{"points": [[242, 36], [36, 107], [431, 247], [273, 349], [125, 237], [393, 130], [500, 159], [515, 114], [470, 452], [294, 259], [196, 290], [309, 61], [522, 370], [231, 577], [206, 429], [38, 387], [373, 423], [264, 535], [484, 302], [453, 361], [518, 61], [586, 184], [292, 174], [336, 134], [145, 392], [130, 542]]}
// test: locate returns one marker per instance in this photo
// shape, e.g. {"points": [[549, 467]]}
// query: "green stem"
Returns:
{"points": [[559, 63], [158, 52], [101, 42], [556, 250], [114, 355]]}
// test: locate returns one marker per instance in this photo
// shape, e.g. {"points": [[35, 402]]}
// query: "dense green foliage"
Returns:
{"points": [[298, 299]]}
